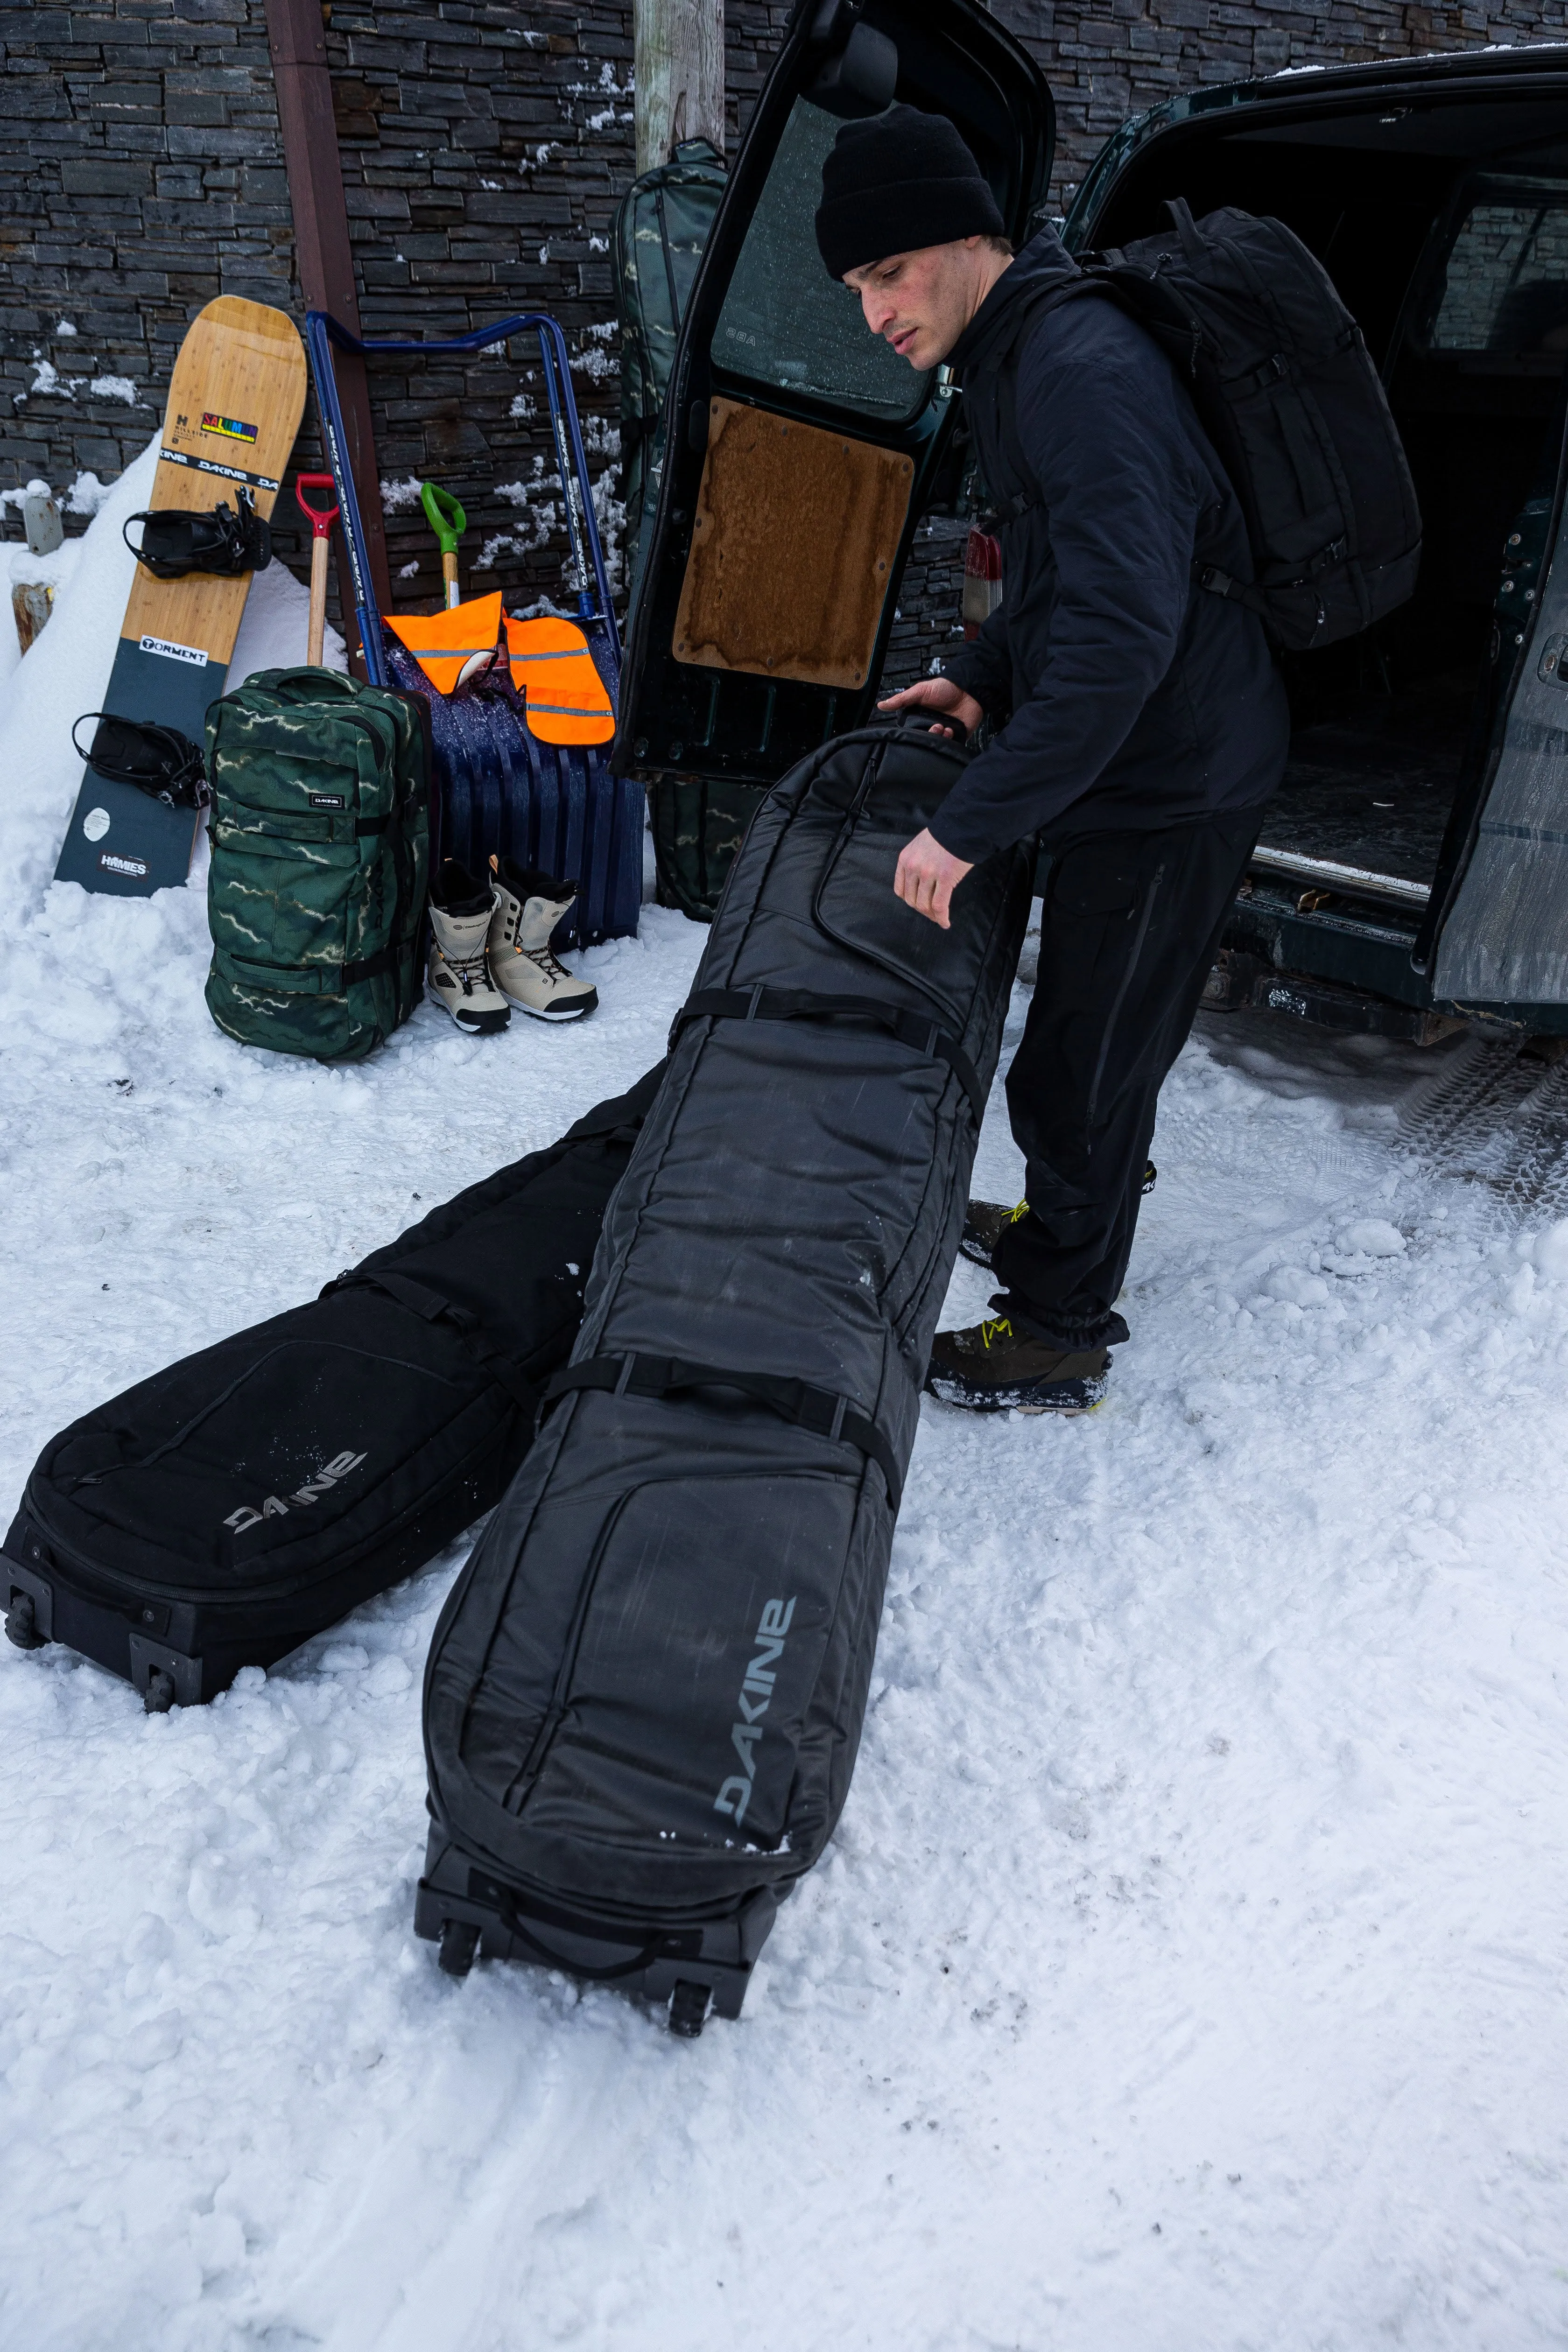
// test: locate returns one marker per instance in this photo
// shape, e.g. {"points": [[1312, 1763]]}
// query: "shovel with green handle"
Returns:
{"points": [[447, 521]]}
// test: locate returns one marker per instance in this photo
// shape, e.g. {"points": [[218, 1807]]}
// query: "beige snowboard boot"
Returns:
{"points": [[527, 909], [459, 974]]}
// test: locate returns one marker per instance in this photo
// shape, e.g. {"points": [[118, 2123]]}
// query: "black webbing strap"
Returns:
{"points": [[370, 967], [430, 1304], [641, 1959], [911, 1029], [817, 1409]]}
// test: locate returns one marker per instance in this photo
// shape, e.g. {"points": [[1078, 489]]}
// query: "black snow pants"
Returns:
{"points": [[1131, 927]]}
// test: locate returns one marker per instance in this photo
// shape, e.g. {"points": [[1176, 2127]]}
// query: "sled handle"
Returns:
{"points": [[322, 522], [323, 334]]}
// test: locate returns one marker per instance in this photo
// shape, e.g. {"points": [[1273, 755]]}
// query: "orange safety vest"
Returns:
{"points": [[552, 665], [442, 642]]}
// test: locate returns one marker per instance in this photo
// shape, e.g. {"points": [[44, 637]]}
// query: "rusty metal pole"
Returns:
{"points": [[323, 256]]}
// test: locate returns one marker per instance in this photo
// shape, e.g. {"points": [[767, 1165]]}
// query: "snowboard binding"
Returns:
{"points": [[177, 540], [159, 761]]}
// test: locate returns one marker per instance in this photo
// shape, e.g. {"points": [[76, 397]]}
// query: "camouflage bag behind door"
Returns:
{"points": [[319, 854]]}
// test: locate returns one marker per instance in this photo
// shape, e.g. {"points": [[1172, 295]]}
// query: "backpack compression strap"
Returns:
{"points": [[911, 1029], [218, 539], [159, 761], [817, 1409]]}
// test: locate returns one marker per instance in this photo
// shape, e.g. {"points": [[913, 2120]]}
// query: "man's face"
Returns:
{"points": [[921, 302]]}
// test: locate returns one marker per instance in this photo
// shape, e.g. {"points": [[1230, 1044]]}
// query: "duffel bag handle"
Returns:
{"points": [[315, 682]]}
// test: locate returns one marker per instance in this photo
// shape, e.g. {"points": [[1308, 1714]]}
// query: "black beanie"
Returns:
{"points": [[895, 181]]}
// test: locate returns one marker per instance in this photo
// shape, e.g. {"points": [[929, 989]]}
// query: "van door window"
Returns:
{"points": [[784, 322], [1505, 283]]}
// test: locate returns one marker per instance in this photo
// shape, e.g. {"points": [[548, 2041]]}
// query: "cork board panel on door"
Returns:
{"points": [[792, 550]]}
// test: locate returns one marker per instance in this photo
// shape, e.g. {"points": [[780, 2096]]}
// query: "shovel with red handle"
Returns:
{"points": [[322, 522]]}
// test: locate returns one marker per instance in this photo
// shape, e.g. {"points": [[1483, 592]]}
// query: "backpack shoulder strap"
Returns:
{"points": [[1025, 495]]}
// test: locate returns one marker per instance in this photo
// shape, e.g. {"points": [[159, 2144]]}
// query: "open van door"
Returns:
{"points": [[1501, 923], [799, 449]]}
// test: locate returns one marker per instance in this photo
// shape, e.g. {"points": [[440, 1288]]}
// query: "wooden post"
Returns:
{"points": [[679, 50], [323, 256]]}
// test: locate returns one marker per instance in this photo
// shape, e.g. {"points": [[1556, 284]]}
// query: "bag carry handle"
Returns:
{"points": [[911, 1029], [436, 1309], [643, 1958], [1181, 212], [819, 1410], [315, 682]]}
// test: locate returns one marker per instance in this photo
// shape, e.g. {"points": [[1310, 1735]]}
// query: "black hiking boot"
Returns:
{"points": [[990, 1368], [985, 1221]]}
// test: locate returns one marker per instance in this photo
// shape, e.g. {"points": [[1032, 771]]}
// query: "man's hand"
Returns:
{"points": [[928, 875], [938, 694]]}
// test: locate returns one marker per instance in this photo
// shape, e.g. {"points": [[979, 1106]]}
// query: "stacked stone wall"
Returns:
{"points": [[484, 150]]}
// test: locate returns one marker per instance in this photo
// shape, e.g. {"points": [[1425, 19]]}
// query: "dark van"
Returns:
{"points": [[1413, 871]]}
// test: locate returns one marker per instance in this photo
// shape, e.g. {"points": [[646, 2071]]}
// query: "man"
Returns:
{"points": [[1147, 725]]}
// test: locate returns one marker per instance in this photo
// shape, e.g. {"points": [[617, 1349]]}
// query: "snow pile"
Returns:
{"points": [[1188, 1970], [65, 675]]}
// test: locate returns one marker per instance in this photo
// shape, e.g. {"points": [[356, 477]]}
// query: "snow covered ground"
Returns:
{"points": [[1188, 1972]]}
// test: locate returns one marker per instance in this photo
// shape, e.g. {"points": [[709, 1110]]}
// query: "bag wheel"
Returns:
{"points": [[459, 1946], [159, 1696], [688, 2009], [22, 1622]]}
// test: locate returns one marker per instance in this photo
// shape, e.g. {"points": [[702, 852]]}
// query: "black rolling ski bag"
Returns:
{"points": [[219, 1513], [644, 1693]]}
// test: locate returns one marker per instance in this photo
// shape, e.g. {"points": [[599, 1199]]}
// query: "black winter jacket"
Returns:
{"points": [[1138, 700]]}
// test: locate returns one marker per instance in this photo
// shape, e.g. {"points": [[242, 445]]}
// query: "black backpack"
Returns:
{"points": [[1286, 390]]}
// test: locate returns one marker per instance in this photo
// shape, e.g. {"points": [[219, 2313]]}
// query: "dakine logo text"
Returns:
{"points": [[756, 1693], [278, 1506]]}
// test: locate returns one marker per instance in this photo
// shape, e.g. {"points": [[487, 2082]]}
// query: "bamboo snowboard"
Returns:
{"points": [[235, 404]]}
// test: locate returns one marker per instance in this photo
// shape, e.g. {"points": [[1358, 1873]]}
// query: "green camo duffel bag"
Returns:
{"points": [[319, 828]]}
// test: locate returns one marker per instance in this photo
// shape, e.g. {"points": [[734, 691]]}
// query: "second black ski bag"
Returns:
{"points": [[220, 1513], [645, 1694]]}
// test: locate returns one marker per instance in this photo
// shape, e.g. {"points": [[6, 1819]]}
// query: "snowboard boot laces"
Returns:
{"points": [[985, 1221], [224, 541], [459, 974], [993, 1368], [159, 761], [528, 908]]}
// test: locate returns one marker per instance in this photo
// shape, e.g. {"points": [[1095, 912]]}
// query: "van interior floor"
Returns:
{"points": [[1373, 787]]}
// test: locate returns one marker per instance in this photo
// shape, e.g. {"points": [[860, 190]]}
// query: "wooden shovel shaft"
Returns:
{"points": [[316, 639], [450, 574]]}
